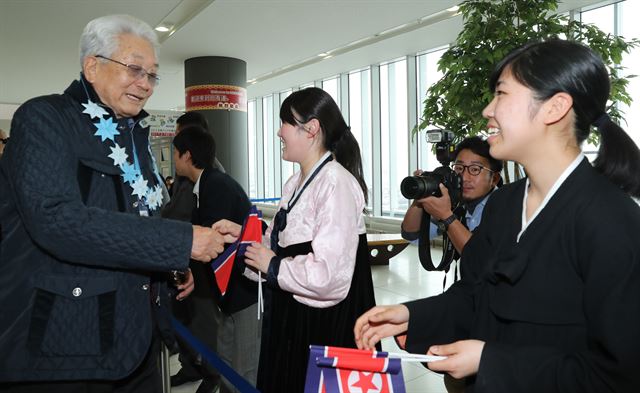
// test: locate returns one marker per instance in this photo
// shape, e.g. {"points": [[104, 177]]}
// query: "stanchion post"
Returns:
{"points": [[166, 372]]}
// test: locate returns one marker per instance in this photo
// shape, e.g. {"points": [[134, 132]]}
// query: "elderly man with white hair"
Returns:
{"points": [[84, 253]]}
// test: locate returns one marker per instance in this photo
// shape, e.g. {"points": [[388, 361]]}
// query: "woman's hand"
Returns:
{"points": [[463, 358], [258, 256], [229, 229], [380, 322]]}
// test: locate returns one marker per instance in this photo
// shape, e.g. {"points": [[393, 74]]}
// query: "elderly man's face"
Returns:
{"points": [[124, 94]]}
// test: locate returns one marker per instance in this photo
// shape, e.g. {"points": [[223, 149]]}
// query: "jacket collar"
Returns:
{"points": [[509, 262], [82, 90]]}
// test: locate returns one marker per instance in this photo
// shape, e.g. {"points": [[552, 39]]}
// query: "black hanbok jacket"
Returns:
{"points": [[560, 309]]}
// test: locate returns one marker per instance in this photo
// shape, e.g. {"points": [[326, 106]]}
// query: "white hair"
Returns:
{"points": [[101, 35]]}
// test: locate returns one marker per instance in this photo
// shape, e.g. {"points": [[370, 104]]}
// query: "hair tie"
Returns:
{"points": [[600, 121]]}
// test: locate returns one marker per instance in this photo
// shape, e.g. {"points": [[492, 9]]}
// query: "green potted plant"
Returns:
{"points": [[491, 29]]}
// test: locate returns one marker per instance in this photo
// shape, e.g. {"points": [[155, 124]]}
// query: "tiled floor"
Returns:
{"points": [[403, 280]]}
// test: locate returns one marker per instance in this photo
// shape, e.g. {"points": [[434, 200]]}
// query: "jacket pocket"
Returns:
{"points": [[72, 316]]}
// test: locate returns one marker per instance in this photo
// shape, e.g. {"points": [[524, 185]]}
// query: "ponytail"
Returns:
{"points": [[618, 156], [347, 153]]}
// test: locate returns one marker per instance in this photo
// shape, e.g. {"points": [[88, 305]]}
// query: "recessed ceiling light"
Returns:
{"points": [[163, 28]]}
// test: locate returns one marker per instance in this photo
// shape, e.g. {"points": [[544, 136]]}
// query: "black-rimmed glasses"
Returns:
{"points": [[473, 169], [4, 141], [135, 71]]}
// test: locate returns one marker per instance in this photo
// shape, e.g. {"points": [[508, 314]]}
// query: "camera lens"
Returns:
{"points": [[411, 187], [416, 187]]}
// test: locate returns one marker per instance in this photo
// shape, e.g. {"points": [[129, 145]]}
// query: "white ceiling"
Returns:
{"points": [[39, 39]]}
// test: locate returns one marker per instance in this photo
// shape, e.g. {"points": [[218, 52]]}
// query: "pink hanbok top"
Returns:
{"points": [[329, 213]]}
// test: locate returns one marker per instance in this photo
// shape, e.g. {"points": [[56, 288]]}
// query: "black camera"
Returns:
{"points": [[426, 184]]}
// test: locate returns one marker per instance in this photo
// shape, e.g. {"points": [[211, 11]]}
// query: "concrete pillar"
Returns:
{"points": [[216, 87]]}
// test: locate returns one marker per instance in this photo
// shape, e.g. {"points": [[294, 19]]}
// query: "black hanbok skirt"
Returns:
{"points": [[289, 327]]}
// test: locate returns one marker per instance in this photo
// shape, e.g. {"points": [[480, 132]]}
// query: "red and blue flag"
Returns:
{"points": [[347, 370], [251, 232]]}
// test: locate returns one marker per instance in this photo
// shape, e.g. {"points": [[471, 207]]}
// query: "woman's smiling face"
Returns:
{"points": [[511, 118]]}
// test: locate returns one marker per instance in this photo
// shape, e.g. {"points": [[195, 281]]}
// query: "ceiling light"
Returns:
{"points": [[164, 27], [455, 8], [328, 57], [323, 54]]}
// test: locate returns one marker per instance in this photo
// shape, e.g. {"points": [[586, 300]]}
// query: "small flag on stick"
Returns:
{"points": [[251, 232]]}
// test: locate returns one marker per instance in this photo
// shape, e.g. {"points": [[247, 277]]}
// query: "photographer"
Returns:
{"points": [[480, 175]]}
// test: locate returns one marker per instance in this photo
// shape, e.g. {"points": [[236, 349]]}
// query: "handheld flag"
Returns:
{"points": [[346, 370], [251, 232]]}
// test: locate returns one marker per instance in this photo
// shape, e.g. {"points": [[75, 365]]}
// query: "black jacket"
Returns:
{"points": [[222, 197], [180, 207], [77, 261], [560, 309]]}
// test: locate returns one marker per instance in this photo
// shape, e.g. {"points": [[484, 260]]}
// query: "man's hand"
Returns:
{"points": [[207, 244], [380, 322], [186, 287], [229, 229], [463, 358], [438, 207]]}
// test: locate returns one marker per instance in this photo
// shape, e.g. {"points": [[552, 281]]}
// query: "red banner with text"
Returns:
{"points": [[216, 97]]}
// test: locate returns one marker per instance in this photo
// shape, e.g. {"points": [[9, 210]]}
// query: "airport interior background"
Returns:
{"points": [[376, 58]]}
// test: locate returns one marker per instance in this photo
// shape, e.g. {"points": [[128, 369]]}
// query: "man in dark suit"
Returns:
{"points": [[217, 197], [180, 207]]}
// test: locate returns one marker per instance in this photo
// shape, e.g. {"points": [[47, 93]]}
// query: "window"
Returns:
{"points": [[601, 17], [394, 136], [629, 28], [332, 87], [605, 19], [287, 168], [360, 122], [251, 139], [428, 74], [269, 151]]}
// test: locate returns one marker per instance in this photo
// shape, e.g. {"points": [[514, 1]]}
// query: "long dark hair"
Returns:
{"points": [[555, 66], [314, 103]]}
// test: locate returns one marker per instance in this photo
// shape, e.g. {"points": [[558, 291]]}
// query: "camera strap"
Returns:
{"points": [[449, 253]]}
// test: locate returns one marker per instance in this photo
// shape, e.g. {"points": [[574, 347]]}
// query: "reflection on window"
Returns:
{"points": [[331, 87], [394, 136], [268, 142], [360, 122], [428, 74], [253, 163]]}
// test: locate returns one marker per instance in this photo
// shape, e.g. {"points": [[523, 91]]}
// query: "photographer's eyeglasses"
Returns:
{"points": [[135, 71], [4, 141], [473, 169]]}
